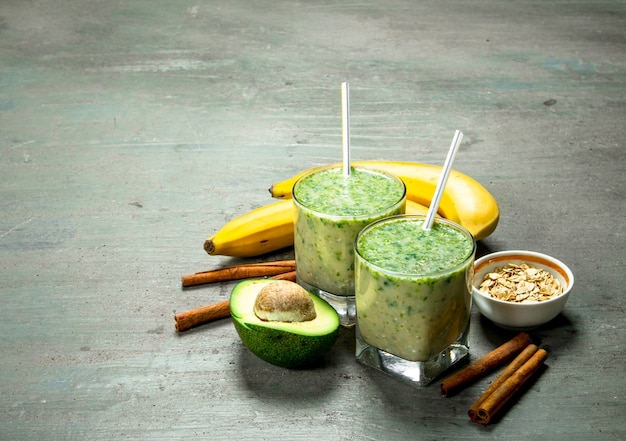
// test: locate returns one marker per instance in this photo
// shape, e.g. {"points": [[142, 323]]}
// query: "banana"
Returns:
{"points": [[259, 231], [464, 201], [413, 207], [265, 229]]}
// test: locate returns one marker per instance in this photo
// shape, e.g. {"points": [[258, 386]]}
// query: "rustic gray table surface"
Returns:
{"points": [[132, 130]]}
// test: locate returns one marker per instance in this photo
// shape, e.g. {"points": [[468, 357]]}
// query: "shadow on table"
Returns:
{"points": [[314, 381], [556, 336]]}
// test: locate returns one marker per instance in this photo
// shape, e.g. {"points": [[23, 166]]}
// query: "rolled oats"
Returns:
{"points": [[521, 283]]}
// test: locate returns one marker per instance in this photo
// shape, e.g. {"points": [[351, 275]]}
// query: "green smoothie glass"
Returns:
{"points": [[413, 296], [331, 209]]}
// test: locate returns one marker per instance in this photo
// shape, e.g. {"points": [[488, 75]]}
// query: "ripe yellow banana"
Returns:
{"points": [[265, 229], [262, 230], [464, 201]]}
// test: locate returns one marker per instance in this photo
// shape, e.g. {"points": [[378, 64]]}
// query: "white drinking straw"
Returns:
{"points": [[447, 168], [345, 126]]}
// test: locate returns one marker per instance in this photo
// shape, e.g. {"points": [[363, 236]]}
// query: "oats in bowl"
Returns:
{"points": [[520, 289], [521, 283]]}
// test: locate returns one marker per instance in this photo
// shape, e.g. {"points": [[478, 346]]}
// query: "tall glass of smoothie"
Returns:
{"points": [[413, 296], [331, 209]]}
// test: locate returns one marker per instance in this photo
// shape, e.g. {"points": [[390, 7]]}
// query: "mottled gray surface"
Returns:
{"points": [[131, 130]]}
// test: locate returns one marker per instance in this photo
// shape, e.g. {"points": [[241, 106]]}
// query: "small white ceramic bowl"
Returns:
{"points": [[511, 315]]}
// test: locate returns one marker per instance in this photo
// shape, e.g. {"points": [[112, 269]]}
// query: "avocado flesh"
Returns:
{"points": [[285, 344]]}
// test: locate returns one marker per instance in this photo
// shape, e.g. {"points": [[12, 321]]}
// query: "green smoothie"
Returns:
{"points": [[413, 287], [331, 209]]}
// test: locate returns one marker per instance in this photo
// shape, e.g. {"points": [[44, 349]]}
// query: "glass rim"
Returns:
{"points": [[392, 206], [471, 254]]}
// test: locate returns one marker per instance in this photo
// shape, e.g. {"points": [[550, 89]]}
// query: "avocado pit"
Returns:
{"points": [[284, 301]]}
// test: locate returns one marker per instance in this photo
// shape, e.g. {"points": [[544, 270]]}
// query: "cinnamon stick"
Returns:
{"points": [[484, 365], [291, 276], [196, 317], [199, 316], [238, 272], [494, 402], [517, 363]]}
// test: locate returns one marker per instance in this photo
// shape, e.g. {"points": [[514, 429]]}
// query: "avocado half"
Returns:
{"points": [[284, 344]]}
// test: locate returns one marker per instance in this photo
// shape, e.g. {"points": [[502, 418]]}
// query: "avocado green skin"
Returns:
{"points": [[283, 348]]}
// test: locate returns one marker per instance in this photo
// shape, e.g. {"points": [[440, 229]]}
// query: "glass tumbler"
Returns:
{"points": [[413, 296], [331, 209]]}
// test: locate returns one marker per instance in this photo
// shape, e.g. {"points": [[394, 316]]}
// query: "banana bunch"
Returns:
{"points": [[271, 227]]}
